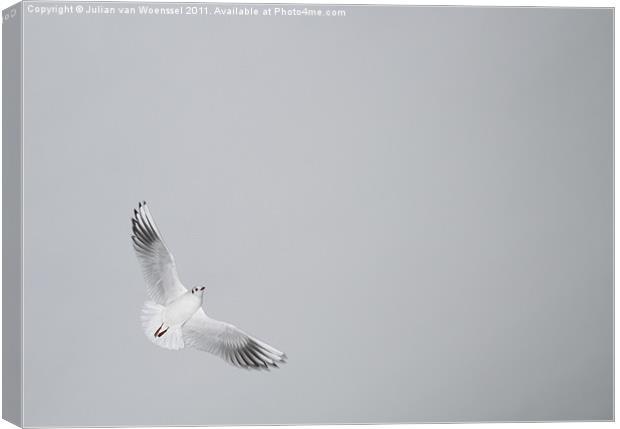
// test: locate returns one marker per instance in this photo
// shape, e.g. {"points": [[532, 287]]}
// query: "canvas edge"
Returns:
{"points": [[12, 362]]}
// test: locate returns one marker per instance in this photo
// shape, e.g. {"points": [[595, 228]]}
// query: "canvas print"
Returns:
{"points": [[285, 214]]}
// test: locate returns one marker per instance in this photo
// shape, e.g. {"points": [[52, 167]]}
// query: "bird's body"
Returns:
{"points": [[182, 309], [174, 318]]}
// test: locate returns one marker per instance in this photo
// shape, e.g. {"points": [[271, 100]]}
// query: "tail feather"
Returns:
{"points": [[168, 337]]}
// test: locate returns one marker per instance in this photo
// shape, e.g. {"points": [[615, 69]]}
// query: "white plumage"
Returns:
{"points": [[174, 317]]}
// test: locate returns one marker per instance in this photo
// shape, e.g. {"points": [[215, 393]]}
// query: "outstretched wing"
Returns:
{"points": [[230, 343], [158, 267]]}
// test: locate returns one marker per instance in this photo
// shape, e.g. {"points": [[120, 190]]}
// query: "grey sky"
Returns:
{"points": [[415, 204]]}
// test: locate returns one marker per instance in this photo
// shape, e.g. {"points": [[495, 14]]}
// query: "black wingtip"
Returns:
{"points": [[141, 204]]}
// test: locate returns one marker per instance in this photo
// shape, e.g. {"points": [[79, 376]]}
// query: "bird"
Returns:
{"points": [[173, 317]]}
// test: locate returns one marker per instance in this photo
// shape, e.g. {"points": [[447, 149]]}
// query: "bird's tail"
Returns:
{"points": [[168, 337]]}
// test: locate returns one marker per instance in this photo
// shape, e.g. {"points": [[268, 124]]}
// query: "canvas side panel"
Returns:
{"points": [[12, 215]]}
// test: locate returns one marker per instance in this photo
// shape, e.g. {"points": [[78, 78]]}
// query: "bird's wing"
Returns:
{"points": [[230, 343], [158, 267]]}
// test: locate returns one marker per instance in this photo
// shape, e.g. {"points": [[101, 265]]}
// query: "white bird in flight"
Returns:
{"points": [[174, 319]]}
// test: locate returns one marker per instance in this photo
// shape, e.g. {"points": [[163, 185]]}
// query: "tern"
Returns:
{"points": [[173, 318]]}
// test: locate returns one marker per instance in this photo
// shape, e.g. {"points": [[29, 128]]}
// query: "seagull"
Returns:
{"points": [[173, 318]]}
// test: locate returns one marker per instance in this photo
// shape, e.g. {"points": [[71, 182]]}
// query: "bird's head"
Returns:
{"points": [[199, 290]]}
